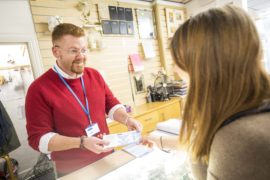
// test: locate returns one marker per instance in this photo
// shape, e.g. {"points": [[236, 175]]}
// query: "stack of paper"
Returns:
{"points": [[170, 126]]}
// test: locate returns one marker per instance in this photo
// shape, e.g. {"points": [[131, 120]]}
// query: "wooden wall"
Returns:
{"points": [[164, 40], [113, 59]]}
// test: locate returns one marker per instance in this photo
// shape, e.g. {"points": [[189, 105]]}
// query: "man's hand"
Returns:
{"points": [[122, 116], [133, 124], [96, 145]]}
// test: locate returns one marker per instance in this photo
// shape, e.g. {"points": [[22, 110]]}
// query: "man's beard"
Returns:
{"points": [[78, 68]]}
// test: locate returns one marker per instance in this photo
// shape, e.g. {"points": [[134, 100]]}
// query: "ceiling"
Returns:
{"points": [[178, 1]]}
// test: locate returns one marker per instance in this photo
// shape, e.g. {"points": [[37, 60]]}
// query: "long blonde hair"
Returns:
{"points": [[221, 51]]}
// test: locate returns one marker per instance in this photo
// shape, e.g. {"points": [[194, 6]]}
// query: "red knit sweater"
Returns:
{"points": [[50, 107]]}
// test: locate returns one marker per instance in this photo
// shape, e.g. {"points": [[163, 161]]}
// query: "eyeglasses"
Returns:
{"points": [[74, 51]]}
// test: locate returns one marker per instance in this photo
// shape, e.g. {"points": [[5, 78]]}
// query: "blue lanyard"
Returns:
{"points": [[86, 110]]}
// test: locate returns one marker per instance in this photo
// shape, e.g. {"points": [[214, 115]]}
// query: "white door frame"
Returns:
{"points": [[33, 48]]}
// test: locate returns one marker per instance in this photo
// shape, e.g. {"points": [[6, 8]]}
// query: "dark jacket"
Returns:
{"points": [[8, 138]]}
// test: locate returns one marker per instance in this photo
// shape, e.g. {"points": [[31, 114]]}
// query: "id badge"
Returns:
{"points": [[91, 130]]}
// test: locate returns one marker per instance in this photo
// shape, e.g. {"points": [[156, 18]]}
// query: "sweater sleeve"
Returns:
{"points": [[38, 116], [111, 100]]}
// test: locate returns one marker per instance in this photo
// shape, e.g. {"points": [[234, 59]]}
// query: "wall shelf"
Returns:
{"points": [[15, 67], [97, 27]]}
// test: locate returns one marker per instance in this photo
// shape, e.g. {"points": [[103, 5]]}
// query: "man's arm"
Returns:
{"points": [[122, 116], [94, 144], [60, 143]]}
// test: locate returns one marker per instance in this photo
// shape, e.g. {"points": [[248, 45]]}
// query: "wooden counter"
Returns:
{"points": [[150, 114]]}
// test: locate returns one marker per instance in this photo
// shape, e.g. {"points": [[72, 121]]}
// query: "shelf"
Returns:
{"points": [[97, 27], [14, 66]]}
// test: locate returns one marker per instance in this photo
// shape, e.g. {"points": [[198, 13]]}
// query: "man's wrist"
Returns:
{"points": [[126, 120], [82, 138]]}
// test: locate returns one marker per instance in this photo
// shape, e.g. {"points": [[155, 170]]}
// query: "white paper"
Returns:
{"points": [[122, 139], [170, 126], [148, 49], [138, 150]]}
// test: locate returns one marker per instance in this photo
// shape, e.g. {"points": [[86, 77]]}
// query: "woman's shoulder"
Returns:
{"points": [[241, 149], [247, 128]]}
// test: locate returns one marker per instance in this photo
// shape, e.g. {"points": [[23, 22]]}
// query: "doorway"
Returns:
{"points": [[16, 75]]}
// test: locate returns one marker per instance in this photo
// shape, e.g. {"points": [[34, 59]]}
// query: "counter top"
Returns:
{"points": [[121, 165], [100, 167]]}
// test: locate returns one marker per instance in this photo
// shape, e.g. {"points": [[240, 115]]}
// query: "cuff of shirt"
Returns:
{"points": [[113, 109], [44, 142]]}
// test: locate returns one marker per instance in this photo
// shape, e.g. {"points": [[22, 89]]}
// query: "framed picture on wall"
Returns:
{"points": [[113, 12], [130, 28], [174, 18], [121, 13], [146, 24], [115, 27], [106, 27], [128, 14], [123, 27], [139, 83]]}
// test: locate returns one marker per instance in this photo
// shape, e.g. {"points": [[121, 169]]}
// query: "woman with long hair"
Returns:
{"points": [[226, 120]]}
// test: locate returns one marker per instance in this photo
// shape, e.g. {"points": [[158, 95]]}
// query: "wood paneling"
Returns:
{"points": [[164, 41], [113, 59]]}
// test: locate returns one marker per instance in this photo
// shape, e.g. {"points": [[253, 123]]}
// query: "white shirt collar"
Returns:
{"points": [[65, 75]]}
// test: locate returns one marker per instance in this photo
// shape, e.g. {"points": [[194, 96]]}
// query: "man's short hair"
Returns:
{"points": [[66, 29]]}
